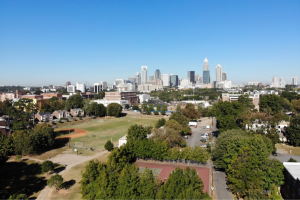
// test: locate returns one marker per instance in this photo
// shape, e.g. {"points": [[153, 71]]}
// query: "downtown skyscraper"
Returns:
{"points": [[206, 75], [219, 73], [157, 74], [144, 75]]}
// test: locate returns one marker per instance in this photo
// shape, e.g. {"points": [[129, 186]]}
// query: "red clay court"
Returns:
{"points": [[166, 169]]}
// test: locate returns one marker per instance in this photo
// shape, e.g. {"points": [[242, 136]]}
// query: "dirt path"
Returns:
{"points": [[46, 190], [79, 133]]}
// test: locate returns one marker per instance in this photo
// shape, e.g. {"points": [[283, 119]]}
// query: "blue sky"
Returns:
{"points": [[51, 42]]}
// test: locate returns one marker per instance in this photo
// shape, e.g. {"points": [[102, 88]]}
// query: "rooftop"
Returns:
{"points": [[293, 168]]}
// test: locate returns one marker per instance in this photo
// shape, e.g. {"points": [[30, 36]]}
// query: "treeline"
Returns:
{"points": [[120, 178], [27, 141], [245, 159]]}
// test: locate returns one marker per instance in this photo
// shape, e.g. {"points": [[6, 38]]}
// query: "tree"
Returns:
{"points": [[178, 109], [74, 101], [161, 122], [55, 181], [18, 196], [6, 146], [147, 187], [293, 131], [190, 112], [144, 108], [135, 107], [296, 104], [292, 160], [271, 101], [151, 107], [181, 119], [148, 112], [164, 109], [114, 109], [100, 95], [109, 145], [158, 108], [47, 166], [137, 132]]}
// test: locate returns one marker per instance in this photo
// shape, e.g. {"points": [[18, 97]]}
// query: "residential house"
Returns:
{"points": [[4, 128], [42, 117], [77, 112], [59, 114]]}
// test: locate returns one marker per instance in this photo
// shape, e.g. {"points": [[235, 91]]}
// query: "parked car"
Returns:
{"points": [[204, 145], [203, 140], [274, 153], [185, 137]]}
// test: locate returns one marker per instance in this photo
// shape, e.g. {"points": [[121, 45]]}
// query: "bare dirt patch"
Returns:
{"points": [[78, 133]]}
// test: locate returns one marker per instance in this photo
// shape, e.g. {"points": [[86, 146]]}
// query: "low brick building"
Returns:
{"points": [[42, 117], [132, 97], [77, 112], [59, 114], [4, 128]]}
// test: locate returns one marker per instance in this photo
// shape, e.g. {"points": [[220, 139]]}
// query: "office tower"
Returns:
{"points": [[157, 74], [166, 80], [200, 80], [144, 75], [224, 76], [295, 81], [218, 73], [80, 87], [191, 76], [206, 75], [151, 78], [173, 80], [71, 89], [119, 81], [97, 87], [68, 83], [138, 77]]}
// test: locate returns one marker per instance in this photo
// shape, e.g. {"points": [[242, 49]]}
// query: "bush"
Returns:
{"points": [[60, 121], [56, 181], [53, 122], [156, 113], [109, 145], [67, 120], [47, 166], [292, 160], [114, 109], [80, 118], [18, 196], [135, 107]]}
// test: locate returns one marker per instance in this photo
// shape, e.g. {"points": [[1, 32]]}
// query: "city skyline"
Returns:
{"points": [[51, 42]]}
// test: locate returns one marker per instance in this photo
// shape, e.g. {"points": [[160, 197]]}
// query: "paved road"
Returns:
{"points": [[284, 157], [222, 191]]}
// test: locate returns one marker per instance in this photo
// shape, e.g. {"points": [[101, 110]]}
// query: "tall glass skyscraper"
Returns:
{"points": [[206, 75], [157, 74], [191, 76], [219, 73], [144, 75], [173, 80]]}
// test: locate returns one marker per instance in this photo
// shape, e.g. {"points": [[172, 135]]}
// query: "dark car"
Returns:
{"points": [[274, 153]]}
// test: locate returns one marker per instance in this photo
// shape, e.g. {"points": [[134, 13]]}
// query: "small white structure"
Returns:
{"points": [[144, 97], [107, 102], [205, 103], [122, 140]]}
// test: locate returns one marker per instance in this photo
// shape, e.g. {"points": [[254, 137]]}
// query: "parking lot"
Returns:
{"points": [[201, 129]]}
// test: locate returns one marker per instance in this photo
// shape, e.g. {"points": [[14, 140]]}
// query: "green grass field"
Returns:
{"points": [[101, 130]]}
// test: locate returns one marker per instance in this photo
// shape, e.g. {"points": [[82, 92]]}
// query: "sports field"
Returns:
{"points": [[101, 130]]}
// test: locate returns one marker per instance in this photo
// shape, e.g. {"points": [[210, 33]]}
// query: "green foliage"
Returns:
{"points": [[6, 146], [5, 105], [127, 106], [292, 160], [148, 112], [18, 196], [109, 145], [158, 108], [74, 101], [53, 104], [18, 157], [183, 184], [178, 109], [181, 119], [164, 109], [114, 109], [272, 102], [290, 95], [55, 181], [151, 107], [161, 122], [293, 131], [100, 95], [156, 113], [135, 107], [137, 132], [97, 109], [47, 166], [190, 112]]}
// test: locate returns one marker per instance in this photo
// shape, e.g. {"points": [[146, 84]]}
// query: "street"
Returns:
{"points": [[284, 157]]}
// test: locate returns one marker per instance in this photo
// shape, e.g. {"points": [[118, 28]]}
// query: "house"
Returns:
{"points": [[4, 128], [122, 140], [59, 114], [77, 112], [291, 187], [42, 117]]}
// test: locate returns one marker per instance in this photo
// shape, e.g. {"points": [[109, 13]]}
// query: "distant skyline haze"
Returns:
{"points": [[51, 42]]}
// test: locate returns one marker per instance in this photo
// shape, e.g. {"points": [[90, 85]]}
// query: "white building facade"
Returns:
{"points": [[144, 74]]}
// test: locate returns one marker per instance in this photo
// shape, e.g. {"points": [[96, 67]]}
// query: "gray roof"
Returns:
{"points": [[293, 168]]}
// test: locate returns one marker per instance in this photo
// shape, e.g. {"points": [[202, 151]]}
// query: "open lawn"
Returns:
{"points": [[73, 177], [286, 148], [101, 130]]}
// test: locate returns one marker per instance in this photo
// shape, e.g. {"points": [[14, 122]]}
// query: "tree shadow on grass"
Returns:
{"points": [[68, 184], [20, 178], [58, 170]]}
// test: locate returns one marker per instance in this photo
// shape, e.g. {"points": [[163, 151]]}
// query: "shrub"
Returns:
{"points": [[56, 181], [156, 113], [47, 166], [109, 145], [292, 160], [18, 196]]}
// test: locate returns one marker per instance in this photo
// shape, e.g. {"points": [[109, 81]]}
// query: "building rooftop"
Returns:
{"points": [[293, 168]]}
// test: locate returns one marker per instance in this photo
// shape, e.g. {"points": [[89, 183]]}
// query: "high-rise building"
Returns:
{"points": [[219, 73], [71, 89], [191, 76], [173, 80], [68, 83], [144, 75], [80, 87], [157, 74], [151, 78], [97, 87], [224, 76], [138, 77], [206, 75], [295, 81], [166, 80]]}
